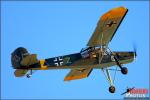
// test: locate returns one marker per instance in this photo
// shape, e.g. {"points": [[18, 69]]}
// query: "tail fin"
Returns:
{"points": [[29, 60], [20, 72]]}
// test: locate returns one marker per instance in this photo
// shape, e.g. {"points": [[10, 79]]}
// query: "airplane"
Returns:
{"points": [[96, 55], [128, 90]]}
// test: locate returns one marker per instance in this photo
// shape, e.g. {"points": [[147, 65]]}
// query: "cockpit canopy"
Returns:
{"points": [[85, 52]]}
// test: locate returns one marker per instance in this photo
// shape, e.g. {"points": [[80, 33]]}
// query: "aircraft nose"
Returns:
{"points": [[133, 54]]}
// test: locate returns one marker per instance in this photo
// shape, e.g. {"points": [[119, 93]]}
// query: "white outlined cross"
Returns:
{"points": [[58, 61]]}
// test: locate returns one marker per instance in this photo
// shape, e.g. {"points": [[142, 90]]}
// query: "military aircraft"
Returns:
{"points": [[96, 55]]}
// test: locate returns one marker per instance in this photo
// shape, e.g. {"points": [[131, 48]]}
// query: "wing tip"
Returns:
{"points": [[117, 11], [121, 8]]}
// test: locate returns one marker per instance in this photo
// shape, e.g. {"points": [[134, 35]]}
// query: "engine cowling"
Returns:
{"points": [[17, 56]]}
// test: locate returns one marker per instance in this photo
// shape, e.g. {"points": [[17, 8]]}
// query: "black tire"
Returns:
{"points": [[28, 76], [124, 70], [112, 89], [17, 56]]}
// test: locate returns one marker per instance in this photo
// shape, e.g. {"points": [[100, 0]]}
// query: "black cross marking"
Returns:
{"points": [[58, 61], [111, 23]]}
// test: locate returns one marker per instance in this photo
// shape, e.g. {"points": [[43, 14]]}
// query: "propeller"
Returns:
{"points": [[135, 49]]}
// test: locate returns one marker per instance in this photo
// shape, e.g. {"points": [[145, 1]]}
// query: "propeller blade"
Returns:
{"points": [[135, 49]]}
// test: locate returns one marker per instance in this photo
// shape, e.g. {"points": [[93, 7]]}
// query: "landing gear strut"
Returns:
{"points": [[111, 82], [124, 70]]}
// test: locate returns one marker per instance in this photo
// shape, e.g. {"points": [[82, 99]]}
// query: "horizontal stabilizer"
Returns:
{"points": [[29, 60], [20, 72]]}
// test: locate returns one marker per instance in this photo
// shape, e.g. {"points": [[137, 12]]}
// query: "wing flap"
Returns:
{"points": [[107, 26], [78, 74]]}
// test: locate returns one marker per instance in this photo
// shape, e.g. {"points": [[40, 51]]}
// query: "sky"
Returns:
{"points": [[58, 28]]}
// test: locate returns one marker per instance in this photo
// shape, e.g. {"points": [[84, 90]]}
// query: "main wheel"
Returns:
{"points": [[124, 70], [112, 89]]}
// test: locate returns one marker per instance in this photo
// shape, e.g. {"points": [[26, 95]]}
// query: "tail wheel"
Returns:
{"points": [[28, 75], [112, 89], [124, 70]]}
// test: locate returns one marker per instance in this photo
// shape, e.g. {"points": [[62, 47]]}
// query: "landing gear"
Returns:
{"points": [[29, 75], [111, 82], [114, 57], [112, 89], [124, 70]]}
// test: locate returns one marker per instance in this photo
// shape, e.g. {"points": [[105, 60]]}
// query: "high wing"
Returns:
{"points": [[107, 26], [78, 74]]}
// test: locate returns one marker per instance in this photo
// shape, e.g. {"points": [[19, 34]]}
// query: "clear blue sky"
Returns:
{"points": [[58, 28]]}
